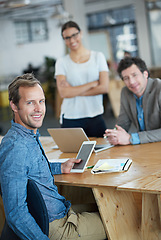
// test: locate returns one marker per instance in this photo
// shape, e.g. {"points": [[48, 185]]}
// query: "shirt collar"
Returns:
{"points": [[25, 130], [138, 98]]}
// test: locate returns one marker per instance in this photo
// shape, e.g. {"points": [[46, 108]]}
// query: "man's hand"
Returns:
{"points": [[67, 166], [117, 136]]}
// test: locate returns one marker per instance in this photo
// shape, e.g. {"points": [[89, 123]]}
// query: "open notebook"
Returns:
{"points": [[112, 165], [71, 139]]}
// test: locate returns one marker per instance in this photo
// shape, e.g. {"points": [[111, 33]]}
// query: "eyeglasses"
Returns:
{"points": [[74, 36]]}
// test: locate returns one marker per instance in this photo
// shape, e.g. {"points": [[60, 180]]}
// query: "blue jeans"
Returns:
{"points": [[93, 127]]}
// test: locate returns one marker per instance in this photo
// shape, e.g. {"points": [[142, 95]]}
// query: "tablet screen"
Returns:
{"points": [[84, 154]]}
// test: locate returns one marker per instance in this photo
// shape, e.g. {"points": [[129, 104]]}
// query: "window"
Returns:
{"points": [[120, 24], [31, 31], [154, 14]]}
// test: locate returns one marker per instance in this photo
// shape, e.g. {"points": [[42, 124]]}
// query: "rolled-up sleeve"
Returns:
{"points": [[55, 168]]}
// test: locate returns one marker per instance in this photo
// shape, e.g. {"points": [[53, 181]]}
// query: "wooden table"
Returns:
{"points": [[129, 202]]}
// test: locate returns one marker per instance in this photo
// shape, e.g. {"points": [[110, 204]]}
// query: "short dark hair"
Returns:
{"points": [[69, 24], [128, 61], [25, 80]]}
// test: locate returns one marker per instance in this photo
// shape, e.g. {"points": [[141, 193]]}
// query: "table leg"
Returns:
{"points": [[119, 213], [159, 205], [151, 228]]}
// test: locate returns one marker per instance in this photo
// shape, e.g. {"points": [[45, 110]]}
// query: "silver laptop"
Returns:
{"points": [[70, 139]]}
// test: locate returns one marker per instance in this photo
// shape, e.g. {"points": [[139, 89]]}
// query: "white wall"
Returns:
{"points": [[15, 58]]}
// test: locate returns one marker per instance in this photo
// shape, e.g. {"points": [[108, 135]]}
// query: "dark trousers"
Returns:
{"points": [[93, 127]]}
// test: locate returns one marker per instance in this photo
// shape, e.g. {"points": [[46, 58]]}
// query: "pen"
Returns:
{"points": [[125, 164], [90, 167]]}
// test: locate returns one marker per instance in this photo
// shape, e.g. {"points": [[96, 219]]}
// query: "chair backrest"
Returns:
{"points": [[37, 208]]}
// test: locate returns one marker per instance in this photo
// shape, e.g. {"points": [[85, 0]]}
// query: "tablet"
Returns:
{"points": [[84, 153]]}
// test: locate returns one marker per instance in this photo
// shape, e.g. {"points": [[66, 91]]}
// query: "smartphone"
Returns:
{"points": [[84, 153]]}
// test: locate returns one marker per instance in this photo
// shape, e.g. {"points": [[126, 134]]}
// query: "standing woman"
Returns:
{"points": [[82, 79]]}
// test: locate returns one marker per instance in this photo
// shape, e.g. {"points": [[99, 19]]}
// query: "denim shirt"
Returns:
{"points": [[21, 158]]}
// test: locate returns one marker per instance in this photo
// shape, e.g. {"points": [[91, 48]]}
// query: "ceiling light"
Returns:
{"points": [[18, 3]]}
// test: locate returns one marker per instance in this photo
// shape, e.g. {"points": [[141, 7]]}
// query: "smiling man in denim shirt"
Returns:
{"points": [[22, 157], [139, 120]]}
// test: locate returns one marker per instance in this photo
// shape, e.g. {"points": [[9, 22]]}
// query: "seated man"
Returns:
{"points": [[22, 157], [139, 120]]}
